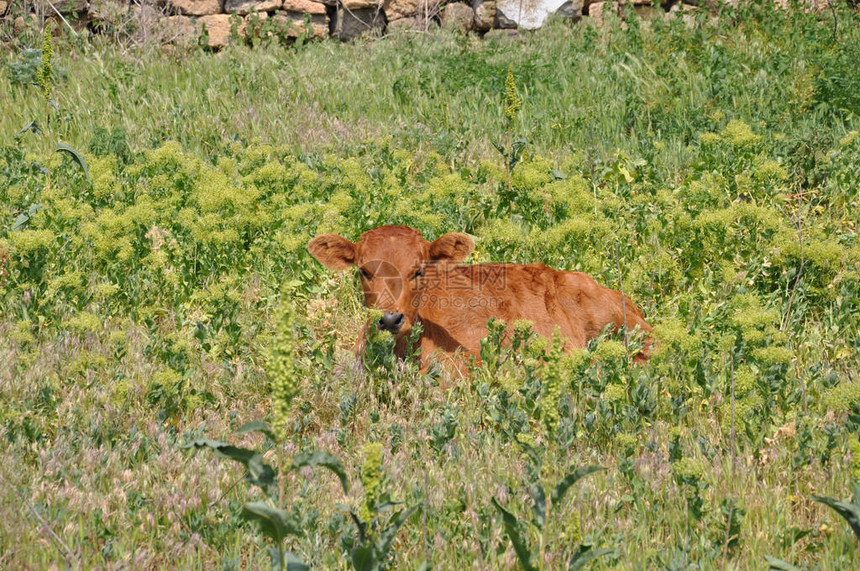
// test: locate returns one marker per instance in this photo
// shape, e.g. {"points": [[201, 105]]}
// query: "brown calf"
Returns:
{"points": [[415, 281]]}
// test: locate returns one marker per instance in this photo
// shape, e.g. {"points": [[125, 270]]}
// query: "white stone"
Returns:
{"points": [[529, 14]]}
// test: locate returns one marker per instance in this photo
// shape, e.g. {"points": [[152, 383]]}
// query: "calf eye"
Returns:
{"points": [[418, 273], [364, 273]]}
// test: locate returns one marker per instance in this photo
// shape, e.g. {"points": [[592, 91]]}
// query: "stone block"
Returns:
{"points": [[406, 24], [218, 28], [504, 21], [361, 4], [485, 14], [198, 7], [458, 16], [181, 29], [572, 10], [353, 23], [304, 6], [599, 10], [244, 7], [395, 9], [295, 25]]}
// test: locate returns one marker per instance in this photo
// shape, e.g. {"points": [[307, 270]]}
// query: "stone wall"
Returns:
{"points": [[186, 21]]}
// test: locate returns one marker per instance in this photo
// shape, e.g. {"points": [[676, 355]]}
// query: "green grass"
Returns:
{"points": [[137, 307]]}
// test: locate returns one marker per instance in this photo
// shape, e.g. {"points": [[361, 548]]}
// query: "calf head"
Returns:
{"points": [[392, 261]]}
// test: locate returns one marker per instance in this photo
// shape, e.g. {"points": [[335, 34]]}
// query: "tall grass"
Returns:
{"points": [[584, 88]]}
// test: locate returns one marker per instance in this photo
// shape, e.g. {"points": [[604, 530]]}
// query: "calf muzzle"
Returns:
{"points": [[392, 322]]}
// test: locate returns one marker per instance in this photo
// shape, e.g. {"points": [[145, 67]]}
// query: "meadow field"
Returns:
{"points": [[178, 388]]}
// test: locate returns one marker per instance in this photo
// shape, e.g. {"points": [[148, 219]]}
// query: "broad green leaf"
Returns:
{"points": [[539, 509], [31, 126], [257, 426], [584, 556], [324, 459], [573, 477], [498, 147], [62, 147], [236, 453], [851, 512], [425, 566], [515, 533], [275, 523], [292, 562], [779, 564], [385, 505], [23, 218], [529, 450], [20, 222], [517, 149], [359, 525], [261, 474], [257, 472], [364, 558], [388, 534]]}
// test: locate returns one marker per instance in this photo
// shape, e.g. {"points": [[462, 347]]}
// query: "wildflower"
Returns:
{"points": [[745, 380], [610, 351], [532, 175], [740, 134], [770, 169], [22, 333], [842, 398], [522, 327], [552, 384], [281, 367], [84, 322], [449, 185], [848, 139], [673, 332], [526, 439], [709, 138], [615, 393], [45, 74], [626, 442], [27, 242], [772, 355], [513, 103], [167, 378], [371, 478], [688, 471], [504, 233]]}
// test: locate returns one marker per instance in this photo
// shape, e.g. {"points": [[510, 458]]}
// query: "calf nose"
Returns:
{"points": [[391, 322]]}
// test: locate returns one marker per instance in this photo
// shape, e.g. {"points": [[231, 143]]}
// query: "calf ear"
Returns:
{"points": [[452, 247], [332, 251]]}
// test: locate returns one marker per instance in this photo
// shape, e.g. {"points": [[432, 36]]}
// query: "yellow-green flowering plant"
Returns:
{"points": [[375, 531]]}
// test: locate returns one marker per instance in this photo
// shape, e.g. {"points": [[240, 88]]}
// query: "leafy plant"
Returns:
{"points": [[375, 530], [512, 151], [529, 556], [848, 510], [26, 70], [274, 522]]}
